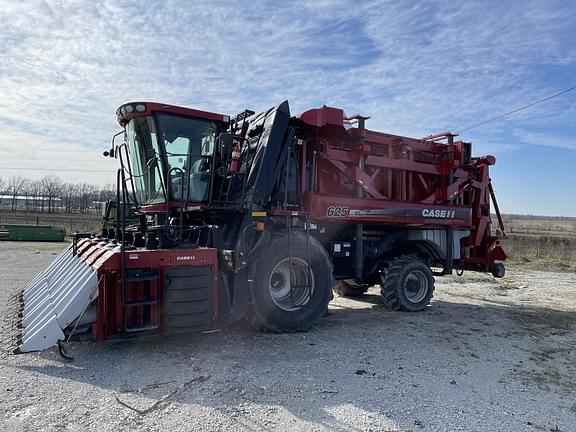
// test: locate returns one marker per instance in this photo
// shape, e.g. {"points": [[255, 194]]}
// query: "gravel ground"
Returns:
{"points": [[486, 356]]}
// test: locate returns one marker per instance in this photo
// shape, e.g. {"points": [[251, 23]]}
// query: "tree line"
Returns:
{"points": [[52, 194]]}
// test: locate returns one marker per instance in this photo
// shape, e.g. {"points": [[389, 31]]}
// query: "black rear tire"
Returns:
{"points": [[349, 288], [283, 307], [408, 284]]}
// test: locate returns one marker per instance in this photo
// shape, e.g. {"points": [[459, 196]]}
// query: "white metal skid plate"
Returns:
{"points": [[53, 300]]}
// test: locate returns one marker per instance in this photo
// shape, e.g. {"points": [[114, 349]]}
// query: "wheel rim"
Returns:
{"points": [[291, 297], [416, 286]]}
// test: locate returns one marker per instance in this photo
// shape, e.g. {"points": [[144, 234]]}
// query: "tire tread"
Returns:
{"points": [[262, 322], [390, 286]]}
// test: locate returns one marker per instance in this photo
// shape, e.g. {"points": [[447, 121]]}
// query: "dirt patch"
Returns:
{"points": [[487, 355]]}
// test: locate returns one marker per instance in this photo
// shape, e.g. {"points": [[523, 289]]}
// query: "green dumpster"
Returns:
{"points": [[31, 233]]}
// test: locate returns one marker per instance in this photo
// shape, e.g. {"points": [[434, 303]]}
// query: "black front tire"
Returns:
{"points": [[408, 284], [349, 288], [498, 270], [281, 307]]}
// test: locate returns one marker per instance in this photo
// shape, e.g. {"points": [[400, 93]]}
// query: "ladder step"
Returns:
{"points": [[142, 303], [148, 327], [142, 277]]}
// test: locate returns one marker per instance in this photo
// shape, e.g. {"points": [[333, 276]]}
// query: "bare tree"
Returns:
{"points": [[27, 191], [107, 193], [69, 196], [87, 196], [15, 184], [36, 191], [2, 189], [51, 186], [43, 195]]}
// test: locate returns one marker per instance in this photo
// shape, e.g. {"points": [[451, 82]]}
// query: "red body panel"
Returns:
{"points": [[113, 318], [355, 175], [357, 210], [152, 107]]}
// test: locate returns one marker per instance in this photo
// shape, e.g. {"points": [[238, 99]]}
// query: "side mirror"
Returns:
{"points": [[109, 153]]}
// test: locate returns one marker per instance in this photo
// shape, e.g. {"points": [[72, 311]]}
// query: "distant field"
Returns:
{"points": [[546, 243], [563, 227]]}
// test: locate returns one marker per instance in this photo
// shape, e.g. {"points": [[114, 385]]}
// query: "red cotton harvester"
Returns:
{"points": [[261, 217]]}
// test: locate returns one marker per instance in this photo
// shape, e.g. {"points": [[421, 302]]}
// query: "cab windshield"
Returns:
{"points": [[176, 151], [145, 160], [189, 145]]}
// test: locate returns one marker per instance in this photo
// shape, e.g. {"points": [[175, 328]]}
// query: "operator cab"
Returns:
{"points": [[170, 151]]}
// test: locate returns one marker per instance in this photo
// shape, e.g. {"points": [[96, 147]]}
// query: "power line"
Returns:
{"points": [[102, 159], [517, 110], [54, 169], [54, 151]]}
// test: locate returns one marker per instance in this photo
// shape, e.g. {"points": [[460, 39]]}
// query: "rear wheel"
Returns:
{"points": [[408, 284], [291, 291], [349, 288]]}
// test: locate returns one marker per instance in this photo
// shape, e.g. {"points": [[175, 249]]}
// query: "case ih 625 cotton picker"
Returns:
{"points": [[261, 217]]}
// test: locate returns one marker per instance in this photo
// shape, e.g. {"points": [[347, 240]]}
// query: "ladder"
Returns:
{"points": [[141, 301]]}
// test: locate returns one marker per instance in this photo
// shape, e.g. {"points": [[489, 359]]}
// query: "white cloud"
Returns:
{"points": [[546, 139], [415, 68]]}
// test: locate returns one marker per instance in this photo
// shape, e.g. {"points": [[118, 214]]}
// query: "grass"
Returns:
{"points": [[543, 264], [541, 243], [539, 225]]}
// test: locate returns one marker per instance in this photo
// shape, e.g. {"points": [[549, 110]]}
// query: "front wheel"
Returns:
{"points": [[408, 285], [291, 289], [498, 270]]}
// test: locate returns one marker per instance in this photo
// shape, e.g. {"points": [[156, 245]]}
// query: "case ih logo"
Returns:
{"points": [[185, 258], [443, 214]]}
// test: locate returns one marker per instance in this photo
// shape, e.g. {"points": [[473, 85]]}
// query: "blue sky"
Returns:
{"points": [[415, 67]]}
